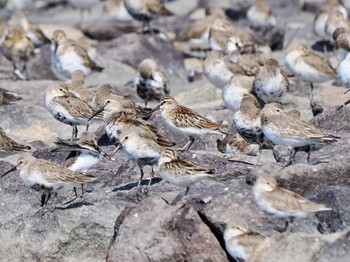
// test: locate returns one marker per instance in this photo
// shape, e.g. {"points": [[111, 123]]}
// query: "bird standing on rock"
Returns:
{"points": [[180, 172], [282, 203], [47, 177], [151, 83], [290, 131], [185, 122], [67, 56], [146, 10], [18, 48], [67, 108]]}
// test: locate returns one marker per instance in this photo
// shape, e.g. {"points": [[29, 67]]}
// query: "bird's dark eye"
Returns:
{"points": [[61, 89], [20, 162], [126, 138], [108, 101]]}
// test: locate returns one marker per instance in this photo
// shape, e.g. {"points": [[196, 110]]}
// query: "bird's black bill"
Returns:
{"points": [[96, 113], [346, 103], [154, 110], [8, 172]]}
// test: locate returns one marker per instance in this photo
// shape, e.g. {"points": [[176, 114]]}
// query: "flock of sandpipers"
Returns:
{"points": [[253, 86]]}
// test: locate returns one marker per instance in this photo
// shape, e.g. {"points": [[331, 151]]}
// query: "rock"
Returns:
{"points": [[333, 121], [157, 231], [107, 29], [303, 248], [326, 97]]}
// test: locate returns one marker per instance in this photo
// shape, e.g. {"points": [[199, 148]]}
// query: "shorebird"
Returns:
{"points": [[76, 86], [151, 83], [197, 33], [290, 131], [83, 154], [235, 143], [248, 124], [18, 48], [67, 108], [335, 19], [33, 31], [323, 14], [68, 56], [271, 83], [7, 97], [219, 70], [232, 93], [240, 242], [105, 92], [180, 172], [228, 39], [8, 145], [146, 10], [47, 177], [118, 120], [307, 65], [141, 148], [260, 16], [282, 203], [185, 122], [343, 41]]}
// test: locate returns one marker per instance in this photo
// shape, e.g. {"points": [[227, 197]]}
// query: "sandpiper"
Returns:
{"points": [[18, 48], [282, 203], [219, 70], [33, 31], [235, 143], [118, 120], [67, 108], [228, 39], [47, 177], [8, 145], [7, 97], [180, 172], [141, 149], [151, 83], [146, 10], [323, 14], [84, 153], [307, 65], [335, 19], [260, 16], [185, 122], [233, 92], [68, 56], [76, 86], [290, 131], [248, 124], [271, 83], [197, 33], [343, 41], [240, 242]]}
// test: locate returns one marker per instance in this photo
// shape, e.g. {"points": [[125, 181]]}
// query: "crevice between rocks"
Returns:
{"points": [[119, 221], [216, 233]]}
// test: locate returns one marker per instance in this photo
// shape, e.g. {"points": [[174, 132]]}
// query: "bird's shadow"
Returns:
{"points": [[323, 45], [74, 205], [132, 185]]}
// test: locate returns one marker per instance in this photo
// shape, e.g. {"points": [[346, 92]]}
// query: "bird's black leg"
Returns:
{"points": [[141, 169], [188, 144]]}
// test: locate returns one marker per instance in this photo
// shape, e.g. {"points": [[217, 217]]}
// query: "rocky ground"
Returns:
{"points": [[117, 221]]}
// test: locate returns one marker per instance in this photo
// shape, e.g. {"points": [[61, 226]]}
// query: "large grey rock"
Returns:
{"points": [[157, 231]]}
